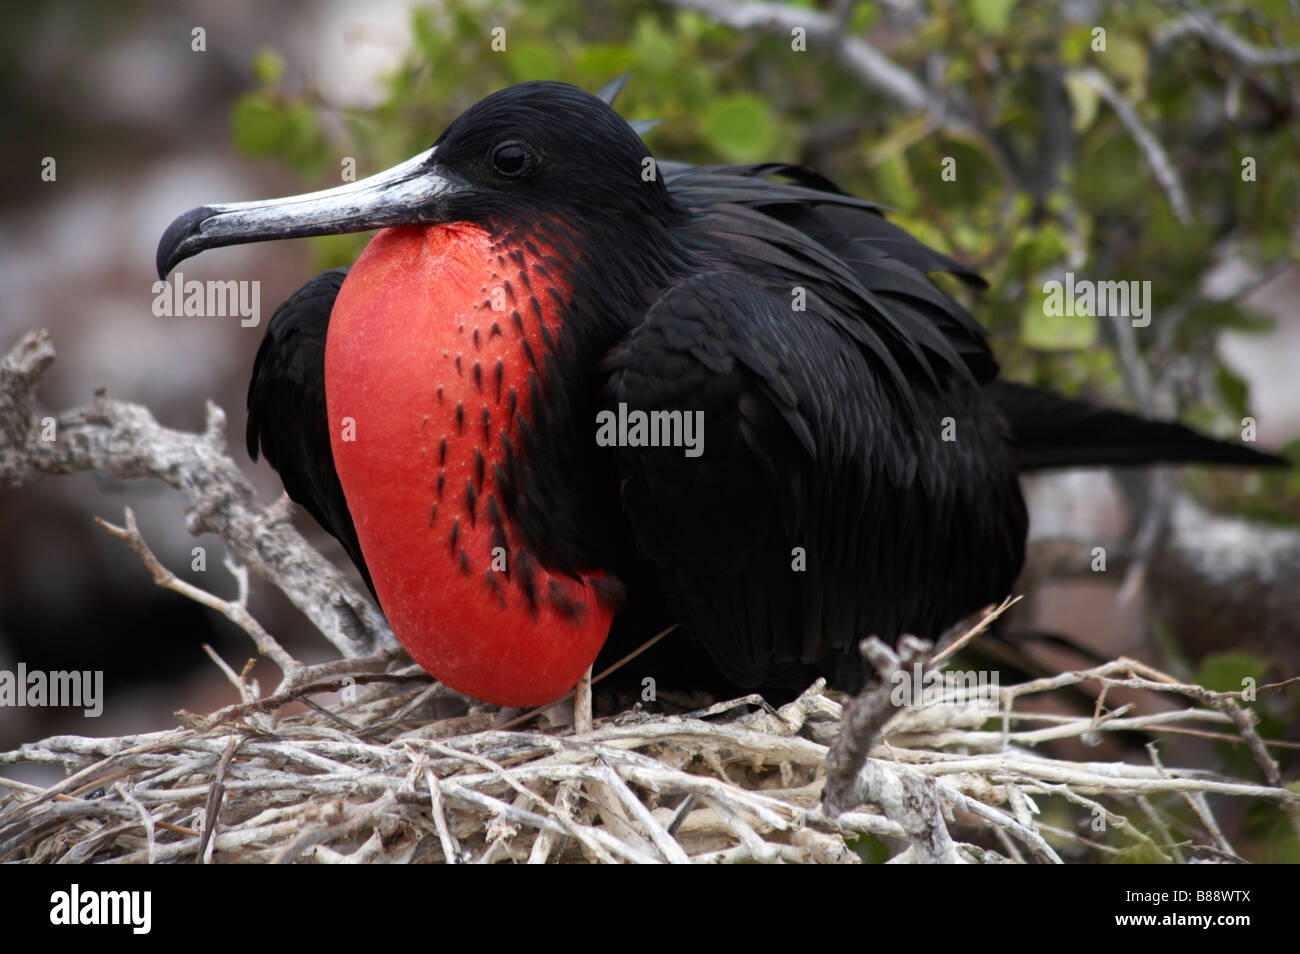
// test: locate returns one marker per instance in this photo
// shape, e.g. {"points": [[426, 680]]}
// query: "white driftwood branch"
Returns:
{"points": [[124, 440], [459, 790], [852, 778]]}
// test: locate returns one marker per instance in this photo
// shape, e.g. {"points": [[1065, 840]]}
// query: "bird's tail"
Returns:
{"points": [[1053, 431]]}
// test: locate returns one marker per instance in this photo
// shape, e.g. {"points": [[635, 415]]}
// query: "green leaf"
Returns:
{"points": [[601, 63], [264, 127], [534, 61], [740, 129], [991, 16], [1049, 332], [1076, 44], [256, 125], [1226, 672], [1233, 388], [863, 18], [1084, 98], [653, 47], [268, 67], [896, 185], [1112, 171], [1228, 316], [1125, 58], [869, 848], [335, 251]]}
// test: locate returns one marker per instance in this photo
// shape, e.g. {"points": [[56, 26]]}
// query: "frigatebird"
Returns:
{"points": [[439, 407]]}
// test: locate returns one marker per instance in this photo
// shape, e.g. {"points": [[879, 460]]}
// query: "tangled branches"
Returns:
{"points": [[379, 780]]}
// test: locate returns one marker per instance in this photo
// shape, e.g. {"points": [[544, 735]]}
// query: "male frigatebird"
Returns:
{"points": [[438, 408]]}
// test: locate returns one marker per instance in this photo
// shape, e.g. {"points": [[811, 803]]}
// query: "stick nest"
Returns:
{"points": [[387, 776], [403, 770]]}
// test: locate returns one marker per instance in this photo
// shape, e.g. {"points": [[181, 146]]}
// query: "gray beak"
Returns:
{"points": [[410, 193]]}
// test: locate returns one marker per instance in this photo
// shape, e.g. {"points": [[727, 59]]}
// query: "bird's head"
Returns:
{"points": [[538, 148]]}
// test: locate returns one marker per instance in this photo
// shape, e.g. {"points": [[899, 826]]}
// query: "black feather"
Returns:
{"points": [[287, 417]]}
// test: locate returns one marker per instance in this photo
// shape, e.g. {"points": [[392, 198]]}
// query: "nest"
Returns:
{"points": [[384, 775], [401, 769]]}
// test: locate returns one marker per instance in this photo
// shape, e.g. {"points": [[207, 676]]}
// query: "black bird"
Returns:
{"points": [[444, 409]]}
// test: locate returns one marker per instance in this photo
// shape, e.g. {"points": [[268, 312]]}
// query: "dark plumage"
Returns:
{"points": [[831, 501], [288, 384]]}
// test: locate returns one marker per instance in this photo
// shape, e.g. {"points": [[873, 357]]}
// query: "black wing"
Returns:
{"points": [[892, 267], [806, 445], [841, 240], [287, 416]]}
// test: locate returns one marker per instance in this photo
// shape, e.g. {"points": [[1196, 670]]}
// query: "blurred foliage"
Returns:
{"points": [[1053, 181]]}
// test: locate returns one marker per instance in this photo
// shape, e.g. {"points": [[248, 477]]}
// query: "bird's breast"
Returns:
{"points": [[431, 364]]}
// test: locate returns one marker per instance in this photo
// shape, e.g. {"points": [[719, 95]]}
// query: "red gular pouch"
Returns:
{"points": [[422, 370]]}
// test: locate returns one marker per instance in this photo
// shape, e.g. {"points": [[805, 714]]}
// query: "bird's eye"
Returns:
{"points": [[512, 159]]}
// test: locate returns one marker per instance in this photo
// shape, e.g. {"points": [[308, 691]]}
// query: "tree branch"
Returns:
{"points": [[124, 440], [859, 57], [1197, 23], [852, 778], [1161, 167]]}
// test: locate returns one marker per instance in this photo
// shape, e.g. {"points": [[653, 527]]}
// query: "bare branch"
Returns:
{"points": [[871, 67], [908, 798], [124, 440], [1161, 167], [307, 788], [234, 610], [1198, 23]]}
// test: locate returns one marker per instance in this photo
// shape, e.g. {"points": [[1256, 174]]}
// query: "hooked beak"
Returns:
{"points": [[411, 193]]}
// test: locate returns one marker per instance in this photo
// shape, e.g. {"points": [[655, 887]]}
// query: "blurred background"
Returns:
{"points": [[1142, 141]]}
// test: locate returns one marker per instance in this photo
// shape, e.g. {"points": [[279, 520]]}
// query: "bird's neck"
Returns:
{"points": [[605, 273]]}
